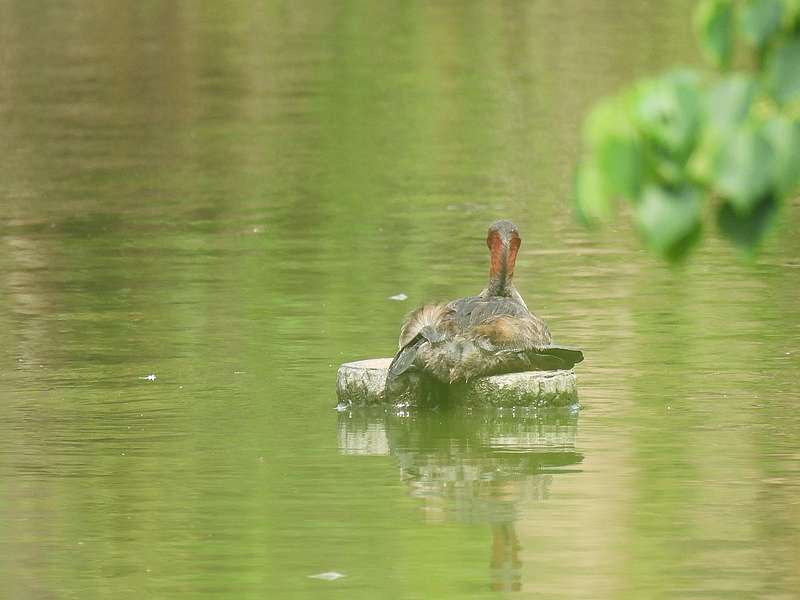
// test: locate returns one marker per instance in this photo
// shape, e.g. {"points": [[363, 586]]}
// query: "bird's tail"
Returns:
{"points": [[427, 317], [421, 327]]}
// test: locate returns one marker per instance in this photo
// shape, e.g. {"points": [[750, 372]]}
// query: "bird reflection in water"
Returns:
{"points": [[475, 467]]}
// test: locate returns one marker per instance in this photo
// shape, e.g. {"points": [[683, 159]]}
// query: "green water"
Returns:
{"points": [[224, 195]]}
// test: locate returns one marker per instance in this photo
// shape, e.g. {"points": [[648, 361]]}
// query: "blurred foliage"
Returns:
{"points": [[683, 146]]}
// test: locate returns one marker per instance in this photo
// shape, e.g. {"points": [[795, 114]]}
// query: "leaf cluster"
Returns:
{"points": [[683, 147]]}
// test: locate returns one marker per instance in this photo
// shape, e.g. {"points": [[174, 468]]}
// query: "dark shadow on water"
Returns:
{"points": [[477, 466]]}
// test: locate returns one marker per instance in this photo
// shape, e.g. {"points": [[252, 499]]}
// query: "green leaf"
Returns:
{"points": [[784, 136], [714, 23], [744, 169], [728, 105], [729, 102], [620, 161], [783, 72], [669, 111], [701, 166], [592, 203], [670, 219], [760, 20], [792, 8], [608, 117], [616, 148], [747, 231]]}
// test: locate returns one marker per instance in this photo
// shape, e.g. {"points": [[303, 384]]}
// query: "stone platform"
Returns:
{"points": [[361, 383]]}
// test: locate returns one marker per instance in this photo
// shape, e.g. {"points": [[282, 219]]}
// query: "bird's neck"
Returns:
{"points": [[507, 291], [501, 267], [500, 286]]}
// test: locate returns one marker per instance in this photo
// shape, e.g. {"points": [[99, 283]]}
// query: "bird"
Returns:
{"points": [[488, 334]]}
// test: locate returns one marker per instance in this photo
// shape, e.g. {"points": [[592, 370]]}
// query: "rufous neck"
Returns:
{"points": [[501, 267]]}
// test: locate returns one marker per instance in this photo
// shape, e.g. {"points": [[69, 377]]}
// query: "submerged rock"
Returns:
{"points": [[361, 383]]}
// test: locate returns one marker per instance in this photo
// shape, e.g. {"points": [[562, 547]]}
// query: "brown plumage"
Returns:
{"points": [[491, 333]]}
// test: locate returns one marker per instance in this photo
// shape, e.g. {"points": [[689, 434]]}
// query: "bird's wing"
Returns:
{"points": [[554, 357], [508, 333], [529, 339]]}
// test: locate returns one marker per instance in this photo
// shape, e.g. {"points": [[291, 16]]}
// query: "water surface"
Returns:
{"points": [[224, 195]]}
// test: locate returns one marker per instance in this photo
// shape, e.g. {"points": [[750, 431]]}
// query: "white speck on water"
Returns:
{"points": [[399, 297], [328, 576], [151, 377]]}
